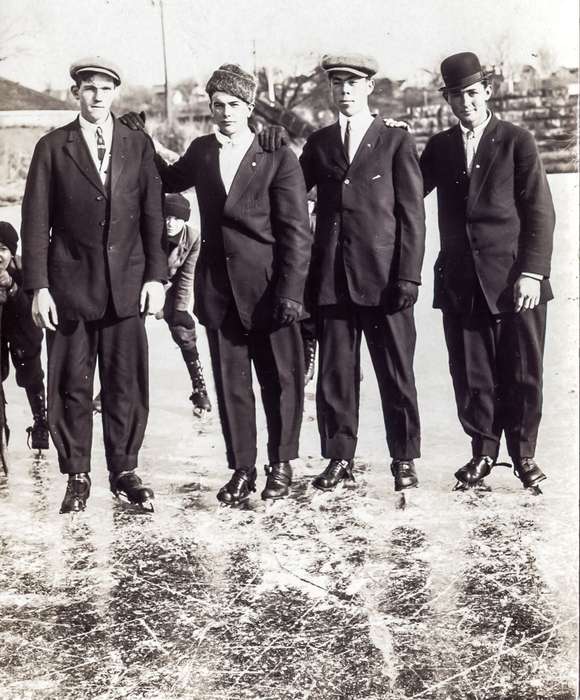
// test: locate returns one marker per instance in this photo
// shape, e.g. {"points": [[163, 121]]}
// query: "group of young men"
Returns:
{"points": [[95, 259]]}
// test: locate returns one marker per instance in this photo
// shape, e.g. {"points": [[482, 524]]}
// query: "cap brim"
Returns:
{"points": [[347, 69], [96, 69]]}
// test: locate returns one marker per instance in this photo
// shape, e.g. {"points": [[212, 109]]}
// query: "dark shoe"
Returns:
{"points": [[129, 485], [38, 431], [309, 359], [239, 487], [405, 475], [337, 470], [473, 473], [528, 472], [279, 478], [78, 490]]}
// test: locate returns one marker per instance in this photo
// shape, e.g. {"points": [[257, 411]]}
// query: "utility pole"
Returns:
{"points": [[168, 114]]}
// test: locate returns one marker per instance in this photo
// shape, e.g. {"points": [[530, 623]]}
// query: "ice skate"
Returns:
{"points": [[472, 474], [78, 490], [403, 470], [278, 481], [129, 486], [238, 489], [530, 474], [336, 471]]}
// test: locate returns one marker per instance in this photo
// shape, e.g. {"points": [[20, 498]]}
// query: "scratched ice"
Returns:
{"points": [[323, 596]]}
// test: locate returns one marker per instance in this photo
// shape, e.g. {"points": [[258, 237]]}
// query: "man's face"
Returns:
{"points": [[5, 256], [469, 104], [174, 225], [350, 93], [230, 113], [95, 94]]}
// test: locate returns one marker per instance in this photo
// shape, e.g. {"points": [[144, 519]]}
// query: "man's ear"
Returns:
{"points": [[251, 106], [74, 91], [371, 85]]}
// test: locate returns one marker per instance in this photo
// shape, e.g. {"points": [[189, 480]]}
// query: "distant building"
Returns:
{"points": [[21, 106]]}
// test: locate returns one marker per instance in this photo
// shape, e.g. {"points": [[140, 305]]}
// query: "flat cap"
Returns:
{"points": [[95, 64], [355, 63]]}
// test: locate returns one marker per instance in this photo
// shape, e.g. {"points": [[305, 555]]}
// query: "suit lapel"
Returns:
{"points": [[118, 153], [78, 151], [245, 173], [483, 161]]}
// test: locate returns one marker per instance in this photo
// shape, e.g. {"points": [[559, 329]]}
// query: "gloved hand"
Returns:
{"points": [[403, 295], [286, 311], [182, 318], [271, 138], [134, 121]]}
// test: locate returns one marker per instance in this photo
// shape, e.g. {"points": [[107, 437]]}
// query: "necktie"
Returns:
{"points": [[101, 149], [347, 140], [469, 150]]}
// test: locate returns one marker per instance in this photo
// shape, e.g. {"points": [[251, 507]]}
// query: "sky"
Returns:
{"points": [[42, 37]]}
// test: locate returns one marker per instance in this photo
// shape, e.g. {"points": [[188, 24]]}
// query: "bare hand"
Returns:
{"points": [[5, 279], [152, 298], [526, 293], [44, 310], [392, 123], [134, 121]]}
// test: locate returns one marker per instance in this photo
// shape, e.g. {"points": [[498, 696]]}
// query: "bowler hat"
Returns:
{"points": [[95, 64], [461, 70], [355, 63]]}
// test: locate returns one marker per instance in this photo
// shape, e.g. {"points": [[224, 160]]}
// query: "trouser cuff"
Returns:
{"points": [[339, 448], [410, 450], [74, 465], [242, 459], [282, 453], [122, 463], [484, 447]]}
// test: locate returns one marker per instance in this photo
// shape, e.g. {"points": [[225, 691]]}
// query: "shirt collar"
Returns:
{"points": [[244, 138], [478, 129], [362, 118], [106, 126]]}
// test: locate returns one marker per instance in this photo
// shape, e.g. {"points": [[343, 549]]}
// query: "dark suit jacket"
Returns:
{"points": [[493, 225], [256, 241], [370, 217], [87, 243]]}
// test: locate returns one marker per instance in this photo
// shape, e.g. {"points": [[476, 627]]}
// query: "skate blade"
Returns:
{"points": [[145, 506], [480, 488], [534, 490]]}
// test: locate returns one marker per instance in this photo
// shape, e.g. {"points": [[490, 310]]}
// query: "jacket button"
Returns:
{"points": [[101, 223], [99, 198], [347, 181]]}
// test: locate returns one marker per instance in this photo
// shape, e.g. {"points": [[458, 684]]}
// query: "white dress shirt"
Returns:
{"points": [[232, 151], [471, 139], [89, 132], [359, 124]]}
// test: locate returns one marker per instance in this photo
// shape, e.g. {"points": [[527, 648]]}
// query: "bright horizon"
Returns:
{"points": [[42, 37]]}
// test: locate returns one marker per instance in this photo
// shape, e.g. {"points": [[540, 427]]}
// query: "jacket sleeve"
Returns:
{"points": [[183, 280], [291, 227], [535, 208], [152, 221], [427, 163], [307, 165], [37, 218], [410, 211], [180, 175]]}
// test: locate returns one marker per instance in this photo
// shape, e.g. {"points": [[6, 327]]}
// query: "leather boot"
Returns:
{"points": [[472, 474], [38, 431], [528, 472], [78, 490], [405, 475], [239, 487], [199, 397], [279, 478], [129, 485], [336, 471], [309, 359]]}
